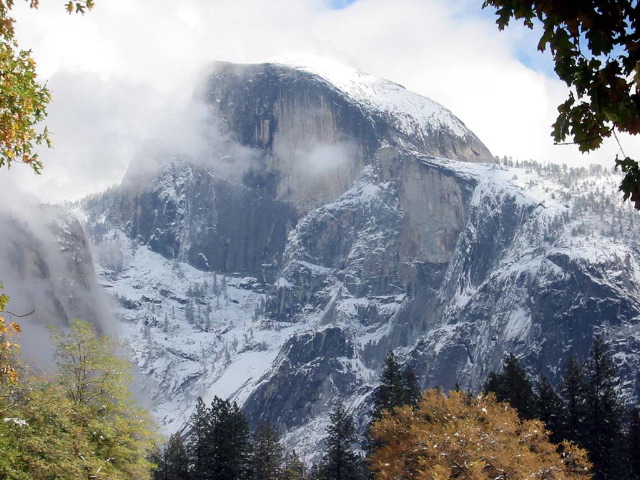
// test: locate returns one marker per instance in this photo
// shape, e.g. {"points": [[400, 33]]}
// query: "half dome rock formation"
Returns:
{"points": [[335, 216]]}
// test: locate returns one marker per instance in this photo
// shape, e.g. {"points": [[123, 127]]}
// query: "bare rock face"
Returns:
{"points": [[309, 141], [308, 374], [313, 140], [432, 203], [317, 136], [193, 215]]}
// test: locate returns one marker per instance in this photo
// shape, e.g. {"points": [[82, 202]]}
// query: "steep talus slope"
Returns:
{"points": [[282, 283]]}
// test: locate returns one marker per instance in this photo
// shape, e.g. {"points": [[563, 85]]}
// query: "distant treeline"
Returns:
{"points": [[499, 433]]}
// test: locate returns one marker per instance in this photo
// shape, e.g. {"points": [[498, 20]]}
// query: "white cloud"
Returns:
{"points": [[115, 69]]}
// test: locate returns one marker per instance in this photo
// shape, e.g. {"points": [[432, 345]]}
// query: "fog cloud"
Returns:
{"points": [[115, 70], [46, 271]]}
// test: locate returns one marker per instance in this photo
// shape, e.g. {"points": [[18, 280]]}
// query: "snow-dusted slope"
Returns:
{"points": [[413, 114], [192, 333], [540, 264]]}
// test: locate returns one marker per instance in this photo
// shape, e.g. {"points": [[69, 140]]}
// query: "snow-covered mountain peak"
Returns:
{"points": [[284, 287], [414, 112]]}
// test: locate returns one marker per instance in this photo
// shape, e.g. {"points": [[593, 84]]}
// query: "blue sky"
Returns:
{"points": [[340, 4], [525, 50]]}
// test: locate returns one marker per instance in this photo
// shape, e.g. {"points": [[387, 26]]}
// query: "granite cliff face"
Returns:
{"points": [[317, 125], [308, 141], [193, 215], [367, 219]]}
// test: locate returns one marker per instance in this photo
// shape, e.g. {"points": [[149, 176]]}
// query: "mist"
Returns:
{"points": [[46, 271]]}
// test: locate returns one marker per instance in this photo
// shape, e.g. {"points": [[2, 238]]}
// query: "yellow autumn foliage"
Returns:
{"points": [[8, 347], [469, 437], [23, 99]]}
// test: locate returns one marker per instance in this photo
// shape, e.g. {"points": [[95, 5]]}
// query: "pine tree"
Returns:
{"points": [[340, 461], [198, 446], [173, 461], [219, 442], [411, 394], [512, 385], [230, 438], [391, 392], [189, 314], [214, 285], [603, 412], [573, 408], [549, 409], [268, 455]]}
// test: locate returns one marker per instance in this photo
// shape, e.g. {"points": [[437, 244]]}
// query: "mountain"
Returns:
{"points": [[335, 216]]}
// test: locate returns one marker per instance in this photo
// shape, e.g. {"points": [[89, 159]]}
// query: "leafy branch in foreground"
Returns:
{"points": [[462, 436], [596, 50], [23, 100], [8, 348]]}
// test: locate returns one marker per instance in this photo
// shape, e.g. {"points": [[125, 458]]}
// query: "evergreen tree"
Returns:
{"points": [[198, 446], [268, 457], [230, 457], [603, 412], [550, 409], [512, 385], [340, 462], [632, 445], [293, 467], [411, 394], [214, 285], [573, 408], [219, 442], [172, 461], [391, 393], [189, 314]]}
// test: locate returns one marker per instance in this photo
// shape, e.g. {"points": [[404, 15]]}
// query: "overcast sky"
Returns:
{"points": [[122, 74]]}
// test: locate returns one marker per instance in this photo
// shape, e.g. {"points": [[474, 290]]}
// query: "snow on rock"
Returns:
{"points": [[191, 333], [535, 251], [413, 113], [450, 264]]}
